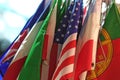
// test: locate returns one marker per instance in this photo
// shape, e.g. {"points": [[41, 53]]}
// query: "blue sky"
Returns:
{"points": [[14, 14]]}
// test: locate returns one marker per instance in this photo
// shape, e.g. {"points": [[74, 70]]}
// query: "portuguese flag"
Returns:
{"points": [[108, 52]]}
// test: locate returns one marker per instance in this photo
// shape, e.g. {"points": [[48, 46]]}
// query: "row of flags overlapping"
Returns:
{"points": [[64, 40]]}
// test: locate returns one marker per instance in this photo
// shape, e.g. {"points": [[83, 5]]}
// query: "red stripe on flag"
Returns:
{"points": [[14, 69], [9, 56], [44, 51], [84, 11], [67, 76], [70, 45], [68, 61], [53, 60], [16, 45]]}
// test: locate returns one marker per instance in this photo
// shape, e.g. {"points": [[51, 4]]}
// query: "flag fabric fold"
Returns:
{"points": [[20, 56], [65, 64], [107, 59], [87, 42], [33, 61], [47, 45], [63, 40], [8, 56], [56, 47]]}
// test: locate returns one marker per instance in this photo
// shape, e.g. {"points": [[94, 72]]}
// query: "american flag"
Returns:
{"points": [[65, 65], [57, 45]]}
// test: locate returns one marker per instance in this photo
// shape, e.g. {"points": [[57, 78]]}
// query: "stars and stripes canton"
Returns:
{"points": [[81, 18], [58, 40], [65, 65], [61, 30]]}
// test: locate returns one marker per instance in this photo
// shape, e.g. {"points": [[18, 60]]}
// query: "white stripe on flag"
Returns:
{"points": [[70, 38], [64, 71], [66, 55]]}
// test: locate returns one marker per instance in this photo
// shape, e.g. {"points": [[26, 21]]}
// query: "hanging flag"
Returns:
{"points": [[108, 52], [65, 65], [87, 42], [11, 52], [48, 41], [20, 56], [5, 60], [33, 61], [8, 56], [24, 49], [56, 47], [48, 63]]}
